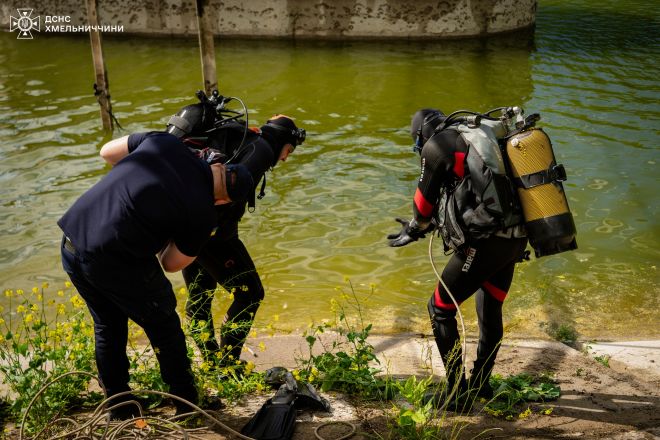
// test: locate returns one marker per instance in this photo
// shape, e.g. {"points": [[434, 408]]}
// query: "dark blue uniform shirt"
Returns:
{"points": [[159, 192]]}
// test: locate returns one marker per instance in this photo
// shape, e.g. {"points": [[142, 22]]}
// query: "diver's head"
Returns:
{"points": [[283, 136], [423, 124], [192, 121]]}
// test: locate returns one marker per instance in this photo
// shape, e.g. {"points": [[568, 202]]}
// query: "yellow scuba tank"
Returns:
{"points": [[538, 180]]}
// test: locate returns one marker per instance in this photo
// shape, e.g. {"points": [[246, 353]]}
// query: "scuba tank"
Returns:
{"points": [[538, 179], [512, 169]]}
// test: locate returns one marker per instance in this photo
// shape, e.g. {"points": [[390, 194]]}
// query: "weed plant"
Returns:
{"points": [[219, 372], [347, 359], [517, 390], [36, 346], [564, 333], [414, 418]]}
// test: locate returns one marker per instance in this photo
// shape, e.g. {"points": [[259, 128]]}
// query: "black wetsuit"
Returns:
{"points": [[224, 260], [484, 266], [159, 192]]}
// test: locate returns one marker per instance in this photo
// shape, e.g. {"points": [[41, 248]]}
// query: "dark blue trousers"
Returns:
{"points": [[118, 289]]}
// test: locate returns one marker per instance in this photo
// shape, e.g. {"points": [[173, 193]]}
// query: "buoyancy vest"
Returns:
{"points": [[484, 201]]}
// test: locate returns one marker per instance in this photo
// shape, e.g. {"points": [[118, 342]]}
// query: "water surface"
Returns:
{"points": [[590, 69]]}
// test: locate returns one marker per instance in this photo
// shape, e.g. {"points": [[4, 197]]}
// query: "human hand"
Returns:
{"points": [[402, 237]]}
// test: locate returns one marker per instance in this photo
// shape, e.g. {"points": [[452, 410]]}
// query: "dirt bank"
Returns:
{"points": [[618, 401], [615, 402]]}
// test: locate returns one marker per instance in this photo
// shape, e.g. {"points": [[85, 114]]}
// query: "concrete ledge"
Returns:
{"points": [[341, 19], [640, 355], [416, 354]]}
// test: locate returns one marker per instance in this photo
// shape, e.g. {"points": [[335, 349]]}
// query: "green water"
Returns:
{"points": [[590, 69]]}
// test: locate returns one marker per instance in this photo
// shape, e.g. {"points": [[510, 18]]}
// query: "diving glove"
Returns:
{"points": [[410, 232]]}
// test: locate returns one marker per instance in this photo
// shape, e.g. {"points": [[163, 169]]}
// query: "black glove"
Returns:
{"points": [[407, 234]]}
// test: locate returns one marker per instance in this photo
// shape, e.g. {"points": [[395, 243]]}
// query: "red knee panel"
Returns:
{"points": [[495, 292], [437, 301]]}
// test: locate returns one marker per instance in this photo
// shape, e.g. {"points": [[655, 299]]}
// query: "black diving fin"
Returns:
{"points": [[306, 395], [276, 419], [308, 398]]}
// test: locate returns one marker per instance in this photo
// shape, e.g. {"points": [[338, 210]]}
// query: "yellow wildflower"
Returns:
{"points": [[21, 309], [67, 284], [61, 308], [34, 307], [44, 285], [77, 302], [262, 346], [525, 414], [19, 292], [204, 336], [60, 293], [35, 290], [9, 292], [182, 291], [249, 367], [276, 318]]}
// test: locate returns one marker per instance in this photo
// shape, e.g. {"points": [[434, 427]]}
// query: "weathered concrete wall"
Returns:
{"points": [[338, 19]]}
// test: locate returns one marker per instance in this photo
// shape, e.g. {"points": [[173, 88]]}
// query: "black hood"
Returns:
{"points": [[423, 124], [280, 131]]}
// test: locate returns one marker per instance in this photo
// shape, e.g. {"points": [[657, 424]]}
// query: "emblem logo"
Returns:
{"points": [[24, 23]]}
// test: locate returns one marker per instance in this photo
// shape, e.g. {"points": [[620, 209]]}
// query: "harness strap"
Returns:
{"points": [[262, 194], [556, 173]]}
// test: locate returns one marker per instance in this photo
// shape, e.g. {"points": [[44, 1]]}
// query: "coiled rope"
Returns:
{"points": [[99, 426]]}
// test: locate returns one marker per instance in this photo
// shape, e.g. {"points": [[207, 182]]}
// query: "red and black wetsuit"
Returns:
{"points": [[484, 266]]}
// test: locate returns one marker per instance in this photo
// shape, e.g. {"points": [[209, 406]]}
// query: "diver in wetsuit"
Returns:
{"points": [[484, 265], [224, 260]]}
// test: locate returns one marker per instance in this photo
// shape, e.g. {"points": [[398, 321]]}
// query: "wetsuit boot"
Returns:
{"points": [[447, 339]]}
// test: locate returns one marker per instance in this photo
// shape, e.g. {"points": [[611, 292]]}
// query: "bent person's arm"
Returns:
{"points": [[172, 259], [115, 150]]}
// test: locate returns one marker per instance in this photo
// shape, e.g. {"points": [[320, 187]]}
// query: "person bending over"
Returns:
{"points": [[154, 210]]}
